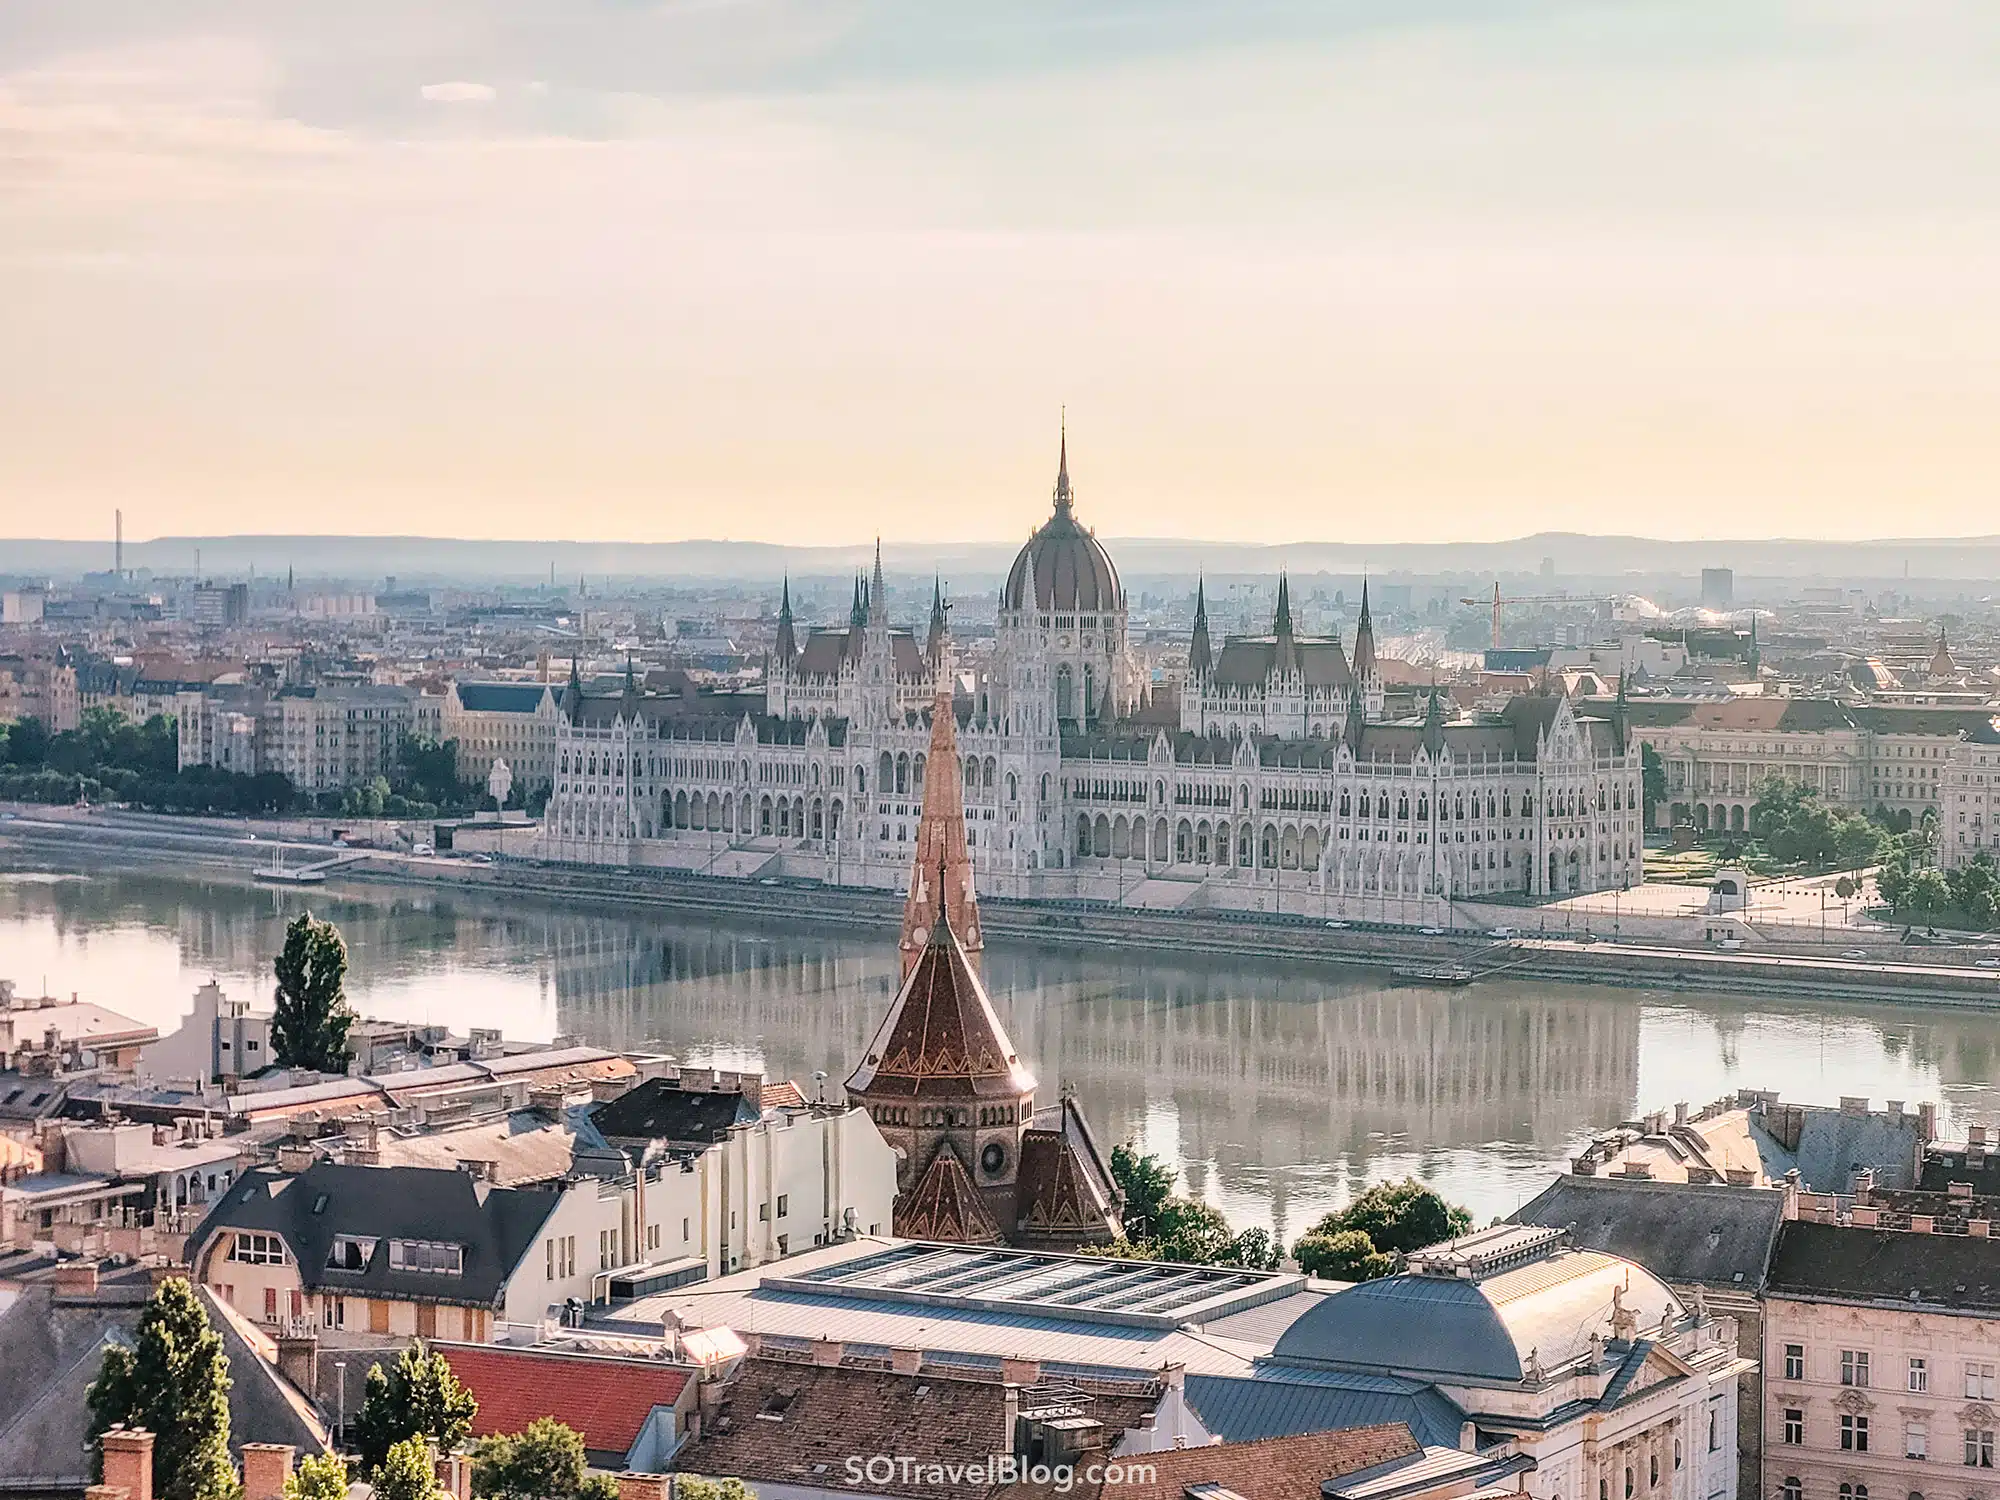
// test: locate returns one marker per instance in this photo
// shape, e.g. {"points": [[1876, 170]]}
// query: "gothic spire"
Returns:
{"points": [[934, 642], [1063, 496], [1200, 656], [857, 612], [1434, 724], [878, 596], [1281, 626], [1364, 638], [787, 645], [941, 871]]}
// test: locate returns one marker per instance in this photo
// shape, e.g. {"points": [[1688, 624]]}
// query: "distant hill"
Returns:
{"points": [[414, 559]]}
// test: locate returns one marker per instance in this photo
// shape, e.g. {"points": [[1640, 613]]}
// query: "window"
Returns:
{"points": [[1920, 1376], [1653, 1471], [270, 1304], [1714, 1428], [1795, 1361], [349, 1252], [784, 1204], [1791, 1489], [1629, 1486], [1854, 1367], [1854, 1492], [431, 1256], [763, 1213], [1979, 1447], [684, 1231], [333, 1311], [606, 1248], [1854, 1434], [1916, 1438], [1978, 1382], [784, 1244], [1795, 1425], [258, 1250]]}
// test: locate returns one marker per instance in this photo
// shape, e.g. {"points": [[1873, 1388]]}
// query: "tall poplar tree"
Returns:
{"points": [[309, 1029]]}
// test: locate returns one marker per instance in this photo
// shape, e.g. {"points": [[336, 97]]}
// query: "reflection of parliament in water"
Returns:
{"points": [[1250, 1054]]}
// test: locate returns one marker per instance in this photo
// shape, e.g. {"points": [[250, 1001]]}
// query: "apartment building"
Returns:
{"points": [[1969, 820], [323, 738], [510, 721], [1882, 1354]]}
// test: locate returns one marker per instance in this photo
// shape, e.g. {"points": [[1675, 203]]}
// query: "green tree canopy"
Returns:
{"points": [[543, 1461], [407, 1472], [1348, 1255], [309, 1027], [693, 1487], [417, 1397], [319, 1476], [1391, 1219], [1147, 1183], [174, 1382]]}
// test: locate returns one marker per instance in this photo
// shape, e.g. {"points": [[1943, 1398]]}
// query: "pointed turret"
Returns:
{"points": [[1434, 724], [1756, 657], [1620, 718], [786, 648], [943, 865], [878, 595], [1063, 497], [1364, 638], [934, 642], [572, 698], [1281, 627], [857, 612], [1942, 664], [1201, 657]]}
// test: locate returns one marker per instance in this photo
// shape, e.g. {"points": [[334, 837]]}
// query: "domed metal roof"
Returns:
{"points": [[1073, 572]]}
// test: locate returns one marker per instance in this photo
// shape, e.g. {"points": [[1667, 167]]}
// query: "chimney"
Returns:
{"points": [[298, 1361], [454, 1473], [1018, 1371], [1895, 1111], [294, 1158], [1975, 1135], [266, 1467], [1010, 1420], [906, 1361], [76, 1279], [1681, 1113], [827, 1351], [128, 1461], [633, 1486], [1920, 1223], [1927, 1121], [1173, 1376], [1979, 1229]]}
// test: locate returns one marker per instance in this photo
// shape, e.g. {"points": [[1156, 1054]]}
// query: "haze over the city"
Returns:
{"points": [[1368, 271]]}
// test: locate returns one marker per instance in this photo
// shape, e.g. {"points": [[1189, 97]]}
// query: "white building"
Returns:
{"points": [[1274, 782], [510, 721], [1969, 819], [324, 738]]}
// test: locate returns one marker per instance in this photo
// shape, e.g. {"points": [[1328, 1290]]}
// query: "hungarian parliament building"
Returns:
{"points": [[1269, 778]]}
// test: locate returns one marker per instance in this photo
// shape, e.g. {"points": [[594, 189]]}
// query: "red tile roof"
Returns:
{"points": [[607, 1400]]}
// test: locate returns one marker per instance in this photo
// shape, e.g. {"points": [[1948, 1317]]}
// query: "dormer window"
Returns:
{"points": [[432, 1256], [349, 1253]]}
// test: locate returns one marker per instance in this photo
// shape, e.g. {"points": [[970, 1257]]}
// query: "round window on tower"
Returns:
{"points": [[993, 1159]]}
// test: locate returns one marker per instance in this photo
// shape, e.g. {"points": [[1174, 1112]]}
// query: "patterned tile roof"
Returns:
{"points": [[607, 1400]]}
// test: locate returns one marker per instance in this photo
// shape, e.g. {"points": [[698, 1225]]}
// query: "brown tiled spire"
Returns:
{"points": [[944, 1205], [942, 861]]}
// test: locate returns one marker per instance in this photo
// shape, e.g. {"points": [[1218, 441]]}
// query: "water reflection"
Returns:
{"points": [[1276, 1091]]}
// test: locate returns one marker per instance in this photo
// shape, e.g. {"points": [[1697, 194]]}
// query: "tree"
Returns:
{"points": [[692, 1487], [1146, 1182], [28, 741], [407, 1472], [309, 1026], [1652, 782], [319, 1476], [417, 1397], [1929, 893], [1366, 1239], [598, 1487], [543, 1461], [174, 1382], [1348, 1255]]}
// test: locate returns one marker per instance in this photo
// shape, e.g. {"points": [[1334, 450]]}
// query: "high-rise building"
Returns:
{"points": [[1718, 588]]}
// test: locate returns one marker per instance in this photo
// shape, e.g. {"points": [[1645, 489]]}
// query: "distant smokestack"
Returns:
{"points": [[118, 543]]}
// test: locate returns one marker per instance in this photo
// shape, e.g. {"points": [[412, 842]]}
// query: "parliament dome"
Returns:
{"points": [[1073, 572]]}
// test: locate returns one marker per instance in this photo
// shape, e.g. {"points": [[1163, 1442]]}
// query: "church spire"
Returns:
{"points": [[1281, 626], [1201, 657], [857, 612], [934, 642], [787, 645], [878, 596], [1434, 724], [1063, 496], [941, 871], [1364, 638]]}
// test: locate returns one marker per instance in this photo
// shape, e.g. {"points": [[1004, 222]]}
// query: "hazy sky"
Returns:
{"points": [[813, 269]]}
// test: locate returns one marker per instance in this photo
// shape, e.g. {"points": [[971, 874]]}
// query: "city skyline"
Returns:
{"points": [[1359, 273]]}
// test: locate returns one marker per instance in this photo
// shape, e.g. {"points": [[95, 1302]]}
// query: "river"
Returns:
{"points": [[1276, 1092]]}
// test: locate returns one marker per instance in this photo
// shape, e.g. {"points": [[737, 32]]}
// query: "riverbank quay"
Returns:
{"points": [[30, 837]]}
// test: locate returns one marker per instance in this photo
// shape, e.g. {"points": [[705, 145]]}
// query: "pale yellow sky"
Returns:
{"points": [[809, 270]]}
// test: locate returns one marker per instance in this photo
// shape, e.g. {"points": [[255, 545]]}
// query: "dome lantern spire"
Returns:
{"points": [[1063, 496]]}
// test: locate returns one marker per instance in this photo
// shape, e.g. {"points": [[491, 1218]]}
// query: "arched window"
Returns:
{"points": [[1013, 787], [1083, 833], [1065, 693], [1653, 1470], [986, 774], [1382, 805], [1791, 1489], [1423, 809], [1090, 692], [1345, 803]]}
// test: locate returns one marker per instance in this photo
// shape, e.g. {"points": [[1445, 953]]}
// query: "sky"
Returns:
{"points": [[812, 270]]}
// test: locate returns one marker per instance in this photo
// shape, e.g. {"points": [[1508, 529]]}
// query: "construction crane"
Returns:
{"points": [[1496, 601]]}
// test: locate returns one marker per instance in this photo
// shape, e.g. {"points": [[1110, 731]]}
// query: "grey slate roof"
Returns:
{"points": [[495, 1225], [660, 1110], [1278, 1403], [502, 697], [54, 1345], [1684, 1233], [1917, 1271]]}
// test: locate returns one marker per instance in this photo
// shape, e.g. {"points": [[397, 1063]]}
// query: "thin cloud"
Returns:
{"points": [[460, 92]]}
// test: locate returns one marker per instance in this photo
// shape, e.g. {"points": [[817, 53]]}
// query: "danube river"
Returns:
{"points": [[1276, 1092]]}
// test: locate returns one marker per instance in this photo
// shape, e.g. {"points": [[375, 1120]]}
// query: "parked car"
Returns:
{"points": [[423, 851]]}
